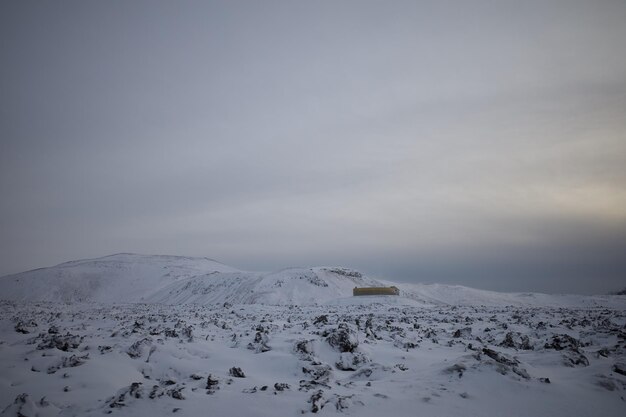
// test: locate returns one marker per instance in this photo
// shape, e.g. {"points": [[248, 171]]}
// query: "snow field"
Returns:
{"points": [[358, 359]]}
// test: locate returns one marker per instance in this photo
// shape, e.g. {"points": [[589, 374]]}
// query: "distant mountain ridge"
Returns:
{"points": [[166, 279]]}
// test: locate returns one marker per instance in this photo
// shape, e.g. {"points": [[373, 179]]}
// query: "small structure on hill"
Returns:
{"points": [[375, 291]]}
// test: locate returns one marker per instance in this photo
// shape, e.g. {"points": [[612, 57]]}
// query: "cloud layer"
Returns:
{"points": [[476, 143]]}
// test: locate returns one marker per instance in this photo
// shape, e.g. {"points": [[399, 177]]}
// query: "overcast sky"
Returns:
{"points": [[473, 142]]}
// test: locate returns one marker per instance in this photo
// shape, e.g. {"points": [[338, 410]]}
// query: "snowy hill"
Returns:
{"points": [[135, 278], [465, 296], [116, 278], [289, 286], [177, 280]]}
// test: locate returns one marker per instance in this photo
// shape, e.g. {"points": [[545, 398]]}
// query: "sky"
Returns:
{"points": [[480, 143]]}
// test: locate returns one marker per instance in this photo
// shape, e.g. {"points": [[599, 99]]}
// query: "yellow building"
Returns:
{"points": [[375, 291]]}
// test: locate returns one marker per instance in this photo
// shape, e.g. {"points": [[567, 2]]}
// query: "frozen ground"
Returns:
{"points": [[367, 358], [134, 335]]}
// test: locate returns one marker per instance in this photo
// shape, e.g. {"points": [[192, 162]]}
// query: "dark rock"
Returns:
{"points": [[188, 333], [317, 401], [563, 342], [68, 362], [211, 383], [500, 357], [21, 399], [22, 406], [604, 352], [342, 402], [311, 384], [401, 367], [369, 331], [167, 382], [343, 338], [506, 363], [575, 359], [236, 372], [464, 333], [304, 348], [65, 343], [176, 393], [350, 361], [457, 367], [155, 392], [318, 372], [133, 391], [516, 340], [25, 327], [138, 348], [281, 386], [104, 349], [620, 368], [260, 343], [170, 333]]}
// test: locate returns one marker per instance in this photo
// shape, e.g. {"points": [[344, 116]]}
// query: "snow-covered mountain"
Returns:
{"points": [[122, 277], [303, 286], [135, 278], [132, 278]]}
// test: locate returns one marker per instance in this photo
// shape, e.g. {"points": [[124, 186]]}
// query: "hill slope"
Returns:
{"points": [[116, 278], [177, 280], [288, 286], [465, 296], [131, 278]]}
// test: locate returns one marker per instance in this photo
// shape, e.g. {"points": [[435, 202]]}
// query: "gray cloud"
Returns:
{"points": [[478, 143]]}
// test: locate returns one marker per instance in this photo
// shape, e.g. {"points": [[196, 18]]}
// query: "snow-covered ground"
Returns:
{"points": [[361, 359], [207, 339]]}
